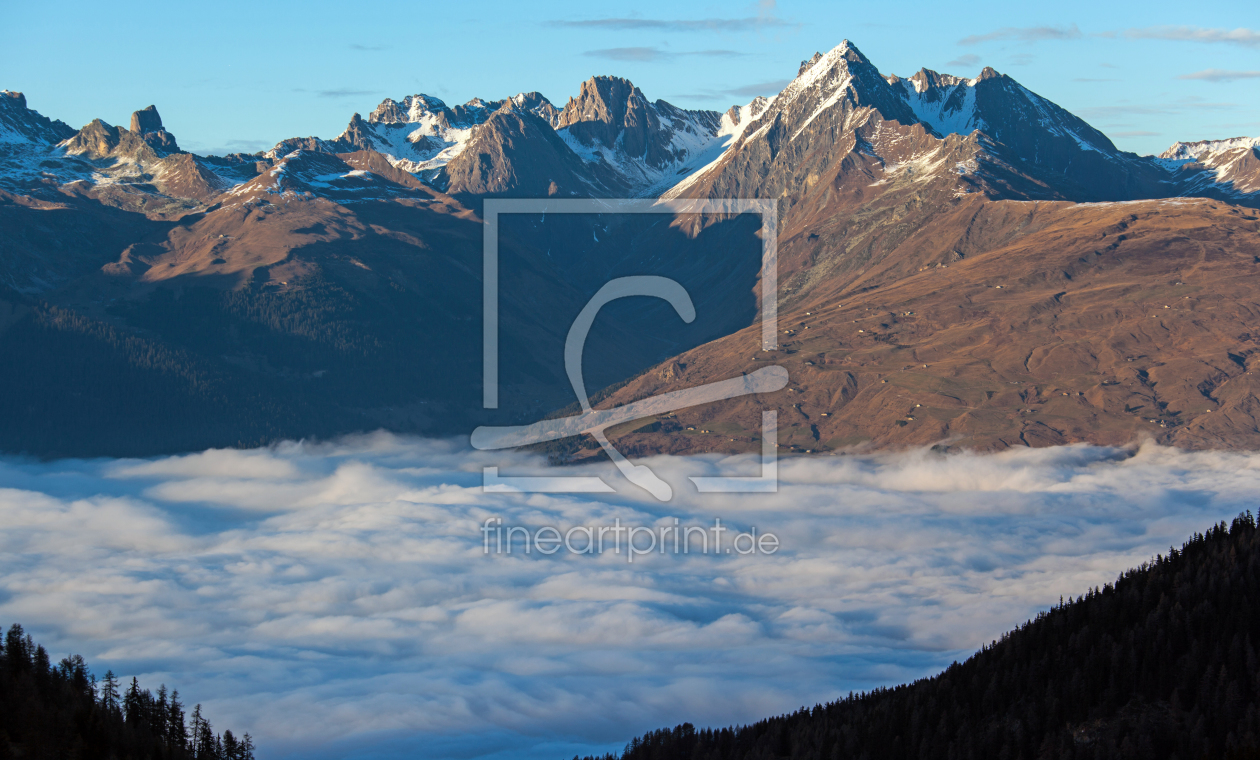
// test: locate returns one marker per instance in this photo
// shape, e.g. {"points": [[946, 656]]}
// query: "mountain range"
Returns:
{"points": [[960, 262]]}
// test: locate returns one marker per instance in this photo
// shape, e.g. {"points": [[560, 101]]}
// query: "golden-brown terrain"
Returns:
{"points": [[1103, 323]]}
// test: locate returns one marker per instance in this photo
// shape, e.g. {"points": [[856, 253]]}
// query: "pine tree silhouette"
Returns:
{"points": [[61, 711], [1162, 664]]}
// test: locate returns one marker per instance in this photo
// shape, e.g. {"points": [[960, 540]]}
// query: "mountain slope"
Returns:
{"points": [[1005, 324], [1160, 664], [859, 162]]}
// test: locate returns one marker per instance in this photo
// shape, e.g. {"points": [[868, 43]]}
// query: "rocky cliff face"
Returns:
{"points": [[611, 113], [516, 152], [812, 124], [642, 146], [1029, 130], [19, 124], [147, 124], [146, 141]]}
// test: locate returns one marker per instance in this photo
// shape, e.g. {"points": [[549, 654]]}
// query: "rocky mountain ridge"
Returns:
{"points": [[161, 300], [1229, 169], [613, 141]]}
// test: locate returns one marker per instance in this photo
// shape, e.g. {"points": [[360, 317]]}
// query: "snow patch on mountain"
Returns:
{"points": [[837, 86], [731, 127], [635, 145], [1207, 149], [814, 73], [1229, 167], [952, 111], [419, 134]]}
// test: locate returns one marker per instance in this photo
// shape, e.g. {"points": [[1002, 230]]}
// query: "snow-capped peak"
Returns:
{"points": [[1230, 167], [647, 146], [1205, 149], [420, 133], [829, 70]]}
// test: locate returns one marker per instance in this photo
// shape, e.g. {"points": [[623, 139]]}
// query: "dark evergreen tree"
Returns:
{"points": [[131, 703], [176, 734], [109, 693], [1162, 664], [58, 712]]}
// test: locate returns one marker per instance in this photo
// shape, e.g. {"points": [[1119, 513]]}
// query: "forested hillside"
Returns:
{"points": [[63, 711], [1160, 664]]}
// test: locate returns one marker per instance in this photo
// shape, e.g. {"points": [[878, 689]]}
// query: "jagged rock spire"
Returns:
{"points": [[146, 120]]}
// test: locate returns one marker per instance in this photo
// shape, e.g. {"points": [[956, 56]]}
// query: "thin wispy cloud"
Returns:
{"points": [[1025, 34], [765, 18], [1239, 36], [676, 25], [1165, 109], [335, 599], [1219, 75], [773, 87], [343, 93], [1135, 133], [648, 54], [762, 88], [628, 54], [965, 61], [367, 48]]}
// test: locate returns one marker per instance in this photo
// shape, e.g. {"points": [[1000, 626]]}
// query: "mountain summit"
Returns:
{"points": [[148, 125]]}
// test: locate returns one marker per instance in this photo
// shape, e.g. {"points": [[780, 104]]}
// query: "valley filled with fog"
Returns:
{"points": [[337, 599]]}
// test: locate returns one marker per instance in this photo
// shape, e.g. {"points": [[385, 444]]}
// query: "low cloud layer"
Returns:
{"points": [[335, 599]]}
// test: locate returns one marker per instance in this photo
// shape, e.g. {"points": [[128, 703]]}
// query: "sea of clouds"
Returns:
{"points": [[335, 600]]}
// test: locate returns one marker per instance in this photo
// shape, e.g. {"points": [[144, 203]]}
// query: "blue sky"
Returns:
{"points": [[242, 75]]}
